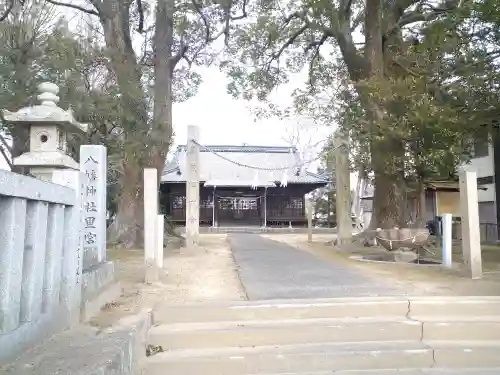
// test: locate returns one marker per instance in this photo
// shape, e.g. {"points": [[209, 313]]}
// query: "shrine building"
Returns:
{"points": [[232, 193]]}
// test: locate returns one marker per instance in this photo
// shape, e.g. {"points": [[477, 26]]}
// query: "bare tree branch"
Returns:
{"points": [[345, 6], [204, 19], [275, 56], [416, 16], [183, 48], [400, 16], [140, 10], [316, 45], [4, 148], [72, 6], [5, 156], [243, 13], [7, 11], [358, 20]]}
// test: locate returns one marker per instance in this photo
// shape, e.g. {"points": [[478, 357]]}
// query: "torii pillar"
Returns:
{"points": [[192, 187], [343, 190]]}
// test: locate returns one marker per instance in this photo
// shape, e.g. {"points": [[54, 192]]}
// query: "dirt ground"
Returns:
{"points": [[417, 280], [207, 273]]}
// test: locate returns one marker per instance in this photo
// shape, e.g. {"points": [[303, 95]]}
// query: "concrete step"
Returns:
{"points": [[310, 358], [432, 371], [303, 331], [331, 308]]}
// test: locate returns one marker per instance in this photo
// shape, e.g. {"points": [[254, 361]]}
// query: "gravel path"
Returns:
{"points": [[271, 270]]}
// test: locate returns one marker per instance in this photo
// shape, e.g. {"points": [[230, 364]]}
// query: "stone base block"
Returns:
{"points": [[92, 307], [152, 273], [95, 278], [404, 256], [87, 351], [98, 288], [29, 334]]}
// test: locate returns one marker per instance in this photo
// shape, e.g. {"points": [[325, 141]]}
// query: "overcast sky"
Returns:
{"points": [[223, 120]]}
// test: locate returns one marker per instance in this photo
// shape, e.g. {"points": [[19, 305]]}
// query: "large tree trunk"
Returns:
{"points": [[421, 205], [388, 200], [127, 229], [164, 64]]}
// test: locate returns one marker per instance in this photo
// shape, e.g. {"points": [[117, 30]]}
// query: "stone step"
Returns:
{"points": [[331, 308], [303, 331], [432, 371], [310, 358]]}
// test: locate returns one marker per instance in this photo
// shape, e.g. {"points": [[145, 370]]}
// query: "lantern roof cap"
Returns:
{"points": [[47, 112]]}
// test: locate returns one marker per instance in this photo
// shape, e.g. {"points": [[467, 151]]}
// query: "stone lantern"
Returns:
{"points": [[49, 126]]}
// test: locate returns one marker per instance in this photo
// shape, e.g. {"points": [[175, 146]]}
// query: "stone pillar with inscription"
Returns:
{"points": [[192, 186], [93, 165], [98, 280]]}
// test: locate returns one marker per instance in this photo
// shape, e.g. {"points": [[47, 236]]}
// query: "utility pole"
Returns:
{"points": [[343, 189]]}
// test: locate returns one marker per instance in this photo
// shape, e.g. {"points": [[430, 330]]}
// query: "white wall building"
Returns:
{"points": [[483, 163]]}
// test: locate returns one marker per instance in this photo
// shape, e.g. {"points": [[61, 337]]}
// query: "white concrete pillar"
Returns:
{"points": [[12, 228], [150, 221], [160, 229], [53, 256], [446, 220], [71, 291], [471, 240], [192, 186], [309, 220], [34, 260]]}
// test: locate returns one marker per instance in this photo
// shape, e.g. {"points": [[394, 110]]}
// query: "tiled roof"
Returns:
{"points": [[213, 167]]}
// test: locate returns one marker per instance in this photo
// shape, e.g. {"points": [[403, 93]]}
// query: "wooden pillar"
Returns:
{"points": [[192, 187], [213, 207], [309, 220], [216, 202], [471, 241], [343, 190], [265, 207]]}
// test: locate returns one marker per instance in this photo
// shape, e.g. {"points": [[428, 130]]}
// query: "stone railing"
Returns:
{"points": [[40, 267]]}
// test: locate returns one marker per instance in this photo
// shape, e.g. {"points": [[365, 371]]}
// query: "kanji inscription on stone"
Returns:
{"points": [[93, 166]]}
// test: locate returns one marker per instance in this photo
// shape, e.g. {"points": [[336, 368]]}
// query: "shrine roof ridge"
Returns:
{"points": [[243, 148], [230, 163]]}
